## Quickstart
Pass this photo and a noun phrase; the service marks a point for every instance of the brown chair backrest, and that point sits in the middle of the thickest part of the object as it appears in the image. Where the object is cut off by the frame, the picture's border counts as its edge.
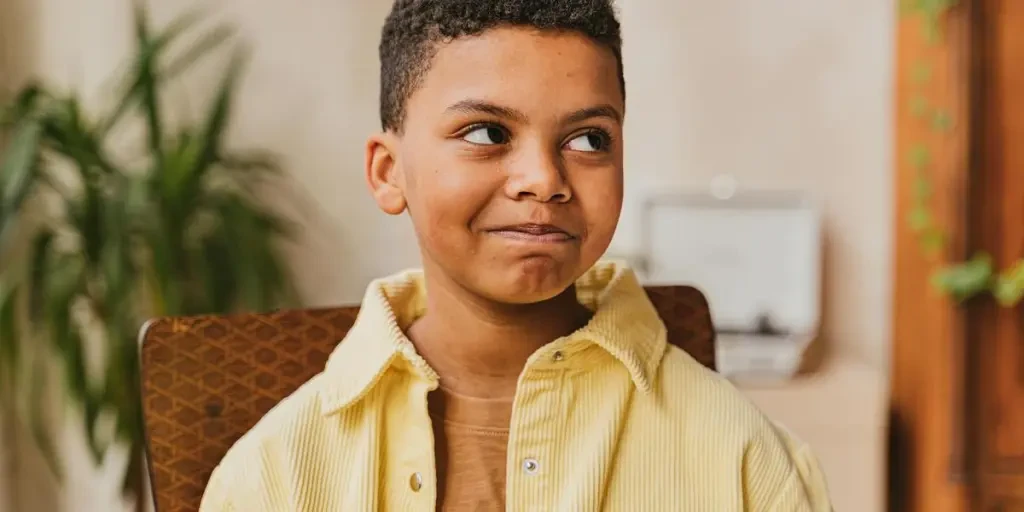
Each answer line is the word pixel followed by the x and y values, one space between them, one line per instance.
pixel 207 380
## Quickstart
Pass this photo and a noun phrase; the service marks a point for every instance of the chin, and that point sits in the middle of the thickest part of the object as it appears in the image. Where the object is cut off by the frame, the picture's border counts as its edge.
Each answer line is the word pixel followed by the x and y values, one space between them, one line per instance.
pixel 526 298
pixel 528 283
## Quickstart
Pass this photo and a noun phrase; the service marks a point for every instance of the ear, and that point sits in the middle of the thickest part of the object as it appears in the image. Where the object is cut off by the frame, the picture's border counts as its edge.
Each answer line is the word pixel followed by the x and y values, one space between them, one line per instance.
pixel 383 174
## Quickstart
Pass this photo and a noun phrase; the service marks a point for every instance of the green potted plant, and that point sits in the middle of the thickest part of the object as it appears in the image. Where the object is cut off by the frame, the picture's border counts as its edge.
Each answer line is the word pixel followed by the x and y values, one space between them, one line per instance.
pixel 93 244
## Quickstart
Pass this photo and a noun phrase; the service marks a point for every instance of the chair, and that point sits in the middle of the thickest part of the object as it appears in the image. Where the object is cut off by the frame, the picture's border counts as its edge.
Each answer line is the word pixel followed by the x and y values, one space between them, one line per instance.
pixel 207 380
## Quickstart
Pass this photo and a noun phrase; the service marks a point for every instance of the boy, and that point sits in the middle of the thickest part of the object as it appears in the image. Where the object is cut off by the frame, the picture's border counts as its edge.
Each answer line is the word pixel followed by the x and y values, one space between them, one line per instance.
pixel 511 373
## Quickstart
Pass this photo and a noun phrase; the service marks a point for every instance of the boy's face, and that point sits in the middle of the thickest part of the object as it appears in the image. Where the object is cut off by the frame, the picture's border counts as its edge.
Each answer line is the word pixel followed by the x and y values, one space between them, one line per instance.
pixel 510 162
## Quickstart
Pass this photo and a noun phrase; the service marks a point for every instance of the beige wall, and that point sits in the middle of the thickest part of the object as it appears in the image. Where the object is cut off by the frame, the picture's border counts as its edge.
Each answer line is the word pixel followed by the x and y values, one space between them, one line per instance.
pixel 792 96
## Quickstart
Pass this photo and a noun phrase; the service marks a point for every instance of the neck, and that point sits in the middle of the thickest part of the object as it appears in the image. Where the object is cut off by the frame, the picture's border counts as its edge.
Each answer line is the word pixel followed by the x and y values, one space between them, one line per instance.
pixel 479 347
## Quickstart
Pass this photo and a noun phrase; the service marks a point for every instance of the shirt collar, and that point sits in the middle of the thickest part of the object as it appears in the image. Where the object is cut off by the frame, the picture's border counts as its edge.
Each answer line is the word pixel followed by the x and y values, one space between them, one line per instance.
pixel 625 324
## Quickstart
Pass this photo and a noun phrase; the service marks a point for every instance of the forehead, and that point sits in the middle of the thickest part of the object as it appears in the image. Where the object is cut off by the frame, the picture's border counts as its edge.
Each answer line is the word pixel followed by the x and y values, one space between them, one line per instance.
pixel 527 69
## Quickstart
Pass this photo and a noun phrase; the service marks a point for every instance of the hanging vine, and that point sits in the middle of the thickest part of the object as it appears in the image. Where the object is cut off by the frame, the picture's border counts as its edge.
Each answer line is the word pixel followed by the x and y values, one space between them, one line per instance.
pixel 978 275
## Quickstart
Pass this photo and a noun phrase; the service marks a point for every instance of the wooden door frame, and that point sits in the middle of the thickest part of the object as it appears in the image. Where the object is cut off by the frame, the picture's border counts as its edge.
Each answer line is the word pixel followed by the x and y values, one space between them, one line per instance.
pixel 928 452
pixel 945 355
pixel 996 334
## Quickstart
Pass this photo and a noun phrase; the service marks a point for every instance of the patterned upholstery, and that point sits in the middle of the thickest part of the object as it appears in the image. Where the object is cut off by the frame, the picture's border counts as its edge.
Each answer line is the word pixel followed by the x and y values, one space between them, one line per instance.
pixel 207 380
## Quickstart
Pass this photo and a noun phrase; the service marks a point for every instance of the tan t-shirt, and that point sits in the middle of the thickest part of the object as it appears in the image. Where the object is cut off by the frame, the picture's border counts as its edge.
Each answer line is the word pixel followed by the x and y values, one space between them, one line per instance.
pixel 470 444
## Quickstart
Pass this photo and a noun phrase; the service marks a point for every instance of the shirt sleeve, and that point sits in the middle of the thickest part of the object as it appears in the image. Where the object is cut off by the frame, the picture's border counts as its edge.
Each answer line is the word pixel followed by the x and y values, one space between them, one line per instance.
pixel 809 478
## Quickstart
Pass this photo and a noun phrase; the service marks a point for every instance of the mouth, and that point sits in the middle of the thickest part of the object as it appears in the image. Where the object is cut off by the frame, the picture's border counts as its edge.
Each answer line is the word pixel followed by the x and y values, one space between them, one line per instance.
pixel 536 233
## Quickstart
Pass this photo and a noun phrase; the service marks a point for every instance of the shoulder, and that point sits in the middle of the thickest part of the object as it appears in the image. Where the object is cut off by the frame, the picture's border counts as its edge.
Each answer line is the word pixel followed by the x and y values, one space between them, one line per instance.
pixel 685 385
pixel 257 463
pixel 775 465
pixel 703 399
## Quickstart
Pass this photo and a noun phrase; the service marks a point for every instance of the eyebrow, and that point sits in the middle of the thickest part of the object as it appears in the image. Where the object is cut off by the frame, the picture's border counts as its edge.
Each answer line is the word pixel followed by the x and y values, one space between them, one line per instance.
pixel 484 107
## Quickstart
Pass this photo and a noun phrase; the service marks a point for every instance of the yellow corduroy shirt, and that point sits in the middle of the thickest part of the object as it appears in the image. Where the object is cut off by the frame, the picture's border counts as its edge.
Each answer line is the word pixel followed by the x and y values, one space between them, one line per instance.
pixel 610 417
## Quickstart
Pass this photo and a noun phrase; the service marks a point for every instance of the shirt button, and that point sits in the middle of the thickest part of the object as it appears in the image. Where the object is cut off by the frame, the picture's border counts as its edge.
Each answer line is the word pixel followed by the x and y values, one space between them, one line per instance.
pixel 416 482
pixel 558 356
pixel 531 466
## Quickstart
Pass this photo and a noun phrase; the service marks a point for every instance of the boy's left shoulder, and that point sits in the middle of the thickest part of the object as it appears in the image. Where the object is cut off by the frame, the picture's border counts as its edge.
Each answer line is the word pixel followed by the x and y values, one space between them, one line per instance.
pixel 697 397
pixel 707 408
pixel 685 385
pixel 699 406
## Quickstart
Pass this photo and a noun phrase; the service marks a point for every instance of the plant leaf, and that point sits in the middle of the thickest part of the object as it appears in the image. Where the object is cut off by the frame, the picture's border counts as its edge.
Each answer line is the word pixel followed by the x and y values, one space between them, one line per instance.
pixel 919 219
pixel 148 75
pixel 171 31
pixel 87 217
pixel 164 282
pixel 145 83
pixel 140 17
pixel 932 240
pixel 69 133
pixel 129 98
pixel 18 172
pixel 920 156
pixel 37 420
pixel 931 29
pixel 254 162
pixel 942 121
pixel 148 49
pixel 76 377
pixel 38 267
pixel 24 104
pixel 201 48
pixel 967 279
pixel 217 271
pixel 65 280
pixel 188 162
pixel 256 266
pixel 115 254
pixel 174 177
pixel 213 130
pixel 10 337
pixel 93 405
pixel 1009 286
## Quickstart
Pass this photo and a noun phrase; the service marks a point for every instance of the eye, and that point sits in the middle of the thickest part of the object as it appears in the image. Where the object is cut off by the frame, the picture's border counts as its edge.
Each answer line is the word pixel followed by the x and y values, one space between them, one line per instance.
pixel 590 142
pixel 488 135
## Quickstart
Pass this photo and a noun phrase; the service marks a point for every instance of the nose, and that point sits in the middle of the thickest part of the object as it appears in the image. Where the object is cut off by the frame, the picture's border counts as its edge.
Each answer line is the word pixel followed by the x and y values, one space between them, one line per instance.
pixel 540 177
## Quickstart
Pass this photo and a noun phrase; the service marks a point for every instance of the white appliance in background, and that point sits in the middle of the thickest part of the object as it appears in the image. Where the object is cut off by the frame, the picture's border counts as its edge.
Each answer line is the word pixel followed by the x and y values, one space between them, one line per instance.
pixel 757 258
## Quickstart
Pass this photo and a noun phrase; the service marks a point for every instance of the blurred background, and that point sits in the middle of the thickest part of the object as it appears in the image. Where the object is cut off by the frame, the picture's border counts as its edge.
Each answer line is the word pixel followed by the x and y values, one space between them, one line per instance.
pixel 847 136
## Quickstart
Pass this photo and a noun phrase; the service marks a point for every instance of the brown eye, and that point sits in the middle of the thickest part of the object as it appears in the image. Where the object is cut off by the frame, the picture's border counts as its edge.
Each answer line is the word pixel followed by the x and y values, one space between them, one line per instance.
pixel 589 143
pixel 487 136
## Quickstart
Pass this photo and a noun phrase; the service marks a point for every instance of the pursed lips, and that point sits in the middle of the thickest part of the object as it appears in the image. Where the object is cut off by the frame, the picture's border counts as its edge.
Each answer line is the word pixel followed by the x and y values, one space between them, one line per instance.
pixel 542 233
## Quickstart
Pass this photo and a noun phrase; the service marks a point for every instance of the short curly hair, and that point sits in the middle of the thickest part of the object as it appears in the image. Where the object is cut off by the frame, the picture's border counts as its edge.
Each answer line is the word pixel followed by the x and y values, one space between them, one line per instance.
pixel 415 28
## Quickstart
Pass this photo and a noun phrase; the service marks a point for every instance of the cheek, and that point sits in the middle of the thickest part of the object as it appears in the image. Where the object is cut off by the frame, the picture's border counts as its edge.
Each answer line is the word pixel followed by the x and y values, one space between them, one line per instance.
pixel 603 219
pixel 444 199
pixel 601 200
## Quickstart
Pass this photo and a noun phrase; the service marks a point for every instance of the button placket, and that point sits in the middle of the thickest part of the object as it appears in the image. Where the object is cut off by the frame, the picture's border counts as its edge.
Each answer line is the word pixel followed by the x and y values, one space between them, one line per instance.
pixel 536 427
pixel 414 470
